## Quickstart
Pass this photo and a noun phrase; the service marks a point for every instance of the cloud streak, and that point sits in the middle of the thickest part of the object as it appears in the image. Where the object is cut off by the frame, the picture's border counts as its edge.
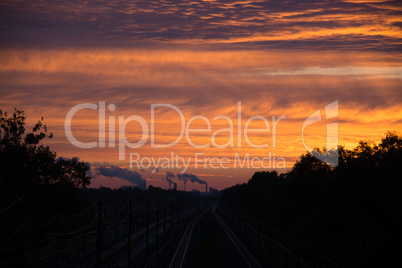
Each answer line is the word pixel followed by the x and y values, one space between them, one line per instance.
pixel 295 24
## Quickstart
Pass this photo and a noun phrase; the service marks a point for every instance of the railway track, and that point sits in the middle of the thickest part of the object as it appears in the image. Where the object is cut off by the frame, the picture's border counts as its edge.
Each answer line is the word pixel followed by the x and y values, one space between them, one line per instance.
pixel 179 257
pixel 248 258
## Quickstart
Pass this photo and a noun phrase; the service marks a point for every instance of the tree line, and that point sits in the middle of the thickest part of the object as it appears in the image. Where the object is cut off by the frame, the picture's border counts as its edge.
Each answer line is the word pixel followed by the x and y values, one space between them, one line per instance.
pixel 353 210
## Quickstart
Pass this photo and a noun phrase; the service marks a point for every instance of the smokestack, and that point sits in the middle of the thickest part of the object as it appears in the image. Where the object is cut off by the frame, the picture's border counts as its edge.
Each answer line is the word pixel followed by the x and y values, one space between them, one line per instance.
pixel 183 178
pixel 168 176
pixel 175 186
pixel 206 187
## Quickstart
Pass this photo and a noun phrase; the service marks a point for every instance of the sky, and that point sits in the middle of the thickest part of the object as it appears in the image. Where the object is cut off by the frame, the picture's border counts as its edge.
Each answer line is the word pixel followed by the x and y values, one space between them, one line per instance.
pixel 247 74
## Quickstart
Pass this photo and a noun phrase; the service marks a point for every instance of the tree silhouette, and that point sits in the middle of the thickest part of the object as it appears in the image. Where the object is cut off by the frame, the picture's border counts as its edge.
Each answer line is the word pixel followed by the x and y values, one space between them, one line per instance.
pixel 26 165
pixel 357 206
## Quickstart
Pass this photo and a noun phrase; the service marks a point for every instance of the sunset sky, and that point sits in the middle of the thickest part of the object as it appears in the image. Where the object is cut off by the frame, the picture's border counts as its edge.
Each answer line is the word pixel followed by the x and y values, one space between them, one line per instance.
pixel 207 58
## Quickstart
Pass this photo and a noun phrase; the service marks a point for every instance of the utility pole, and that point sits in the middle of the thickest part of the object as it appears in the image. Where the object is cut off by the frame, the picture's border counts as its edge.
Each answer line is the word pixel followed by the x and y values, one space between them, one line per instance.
pixel 171 211
pixel 147 234
pixel 164 222
pixel 130 212
pixel 182 212
pixel 157 224
pixel 21 240
pixel 99 234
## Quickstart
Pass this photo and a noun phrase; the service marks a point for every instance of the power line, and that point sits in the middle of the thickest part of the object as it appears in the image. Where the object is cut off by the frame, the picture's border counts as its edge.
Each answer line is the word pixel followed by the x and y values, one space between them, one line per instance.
pixel 15 202
pixel 66 216
pixel 15 233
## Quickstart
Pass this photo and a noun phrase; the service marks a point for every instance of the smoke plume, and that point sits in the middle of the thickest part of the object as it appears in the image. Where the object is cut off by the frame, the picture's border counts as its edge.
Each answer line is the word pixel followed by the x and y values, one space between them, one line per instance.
pixel 193 178
pixel 130 176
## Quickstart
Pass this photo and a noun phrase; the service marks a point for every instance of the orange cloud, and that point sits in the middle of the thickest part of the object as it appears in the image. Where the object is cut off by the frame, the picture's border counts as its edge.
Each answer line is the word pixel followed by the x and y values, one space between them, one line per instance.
pixel 208 83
